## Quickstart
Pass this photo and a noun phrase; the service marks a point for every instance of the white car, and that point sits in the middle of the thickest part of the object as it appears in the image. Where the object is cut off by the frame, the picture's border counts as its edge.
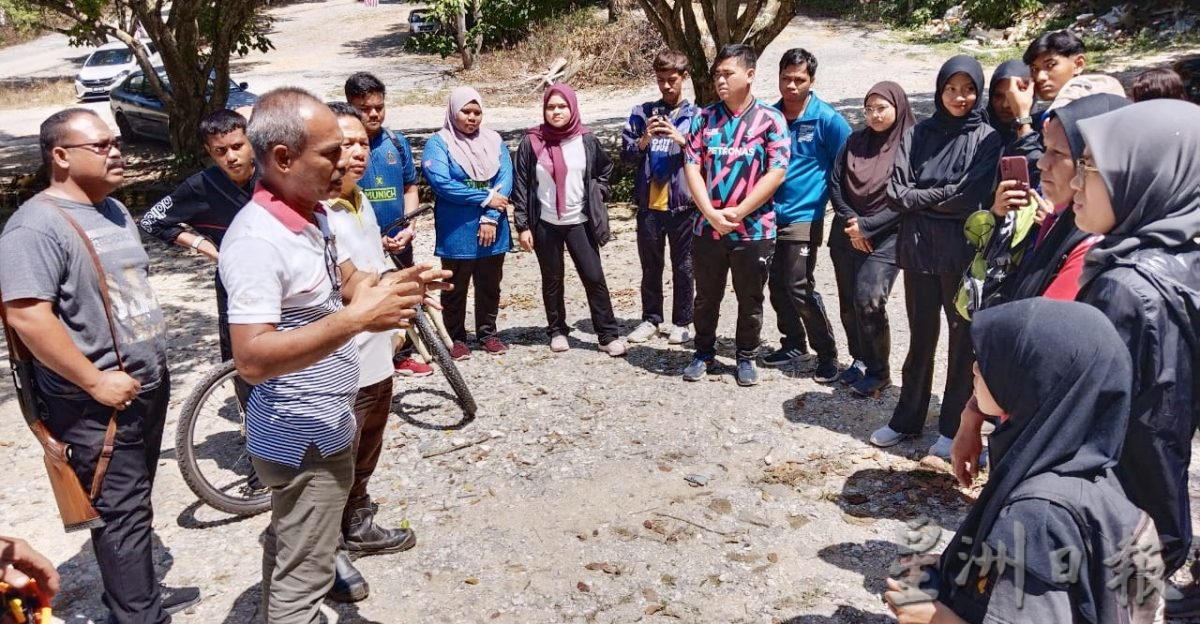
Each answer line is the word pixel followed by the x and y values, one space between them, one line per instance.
pixel 107 66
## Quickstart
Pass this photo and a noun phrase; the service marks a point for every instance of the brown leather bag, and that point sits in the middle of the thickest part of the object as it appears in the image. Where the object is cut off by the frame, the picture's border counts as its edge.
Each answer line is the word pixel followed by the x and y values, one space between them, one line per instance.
pixel 74 503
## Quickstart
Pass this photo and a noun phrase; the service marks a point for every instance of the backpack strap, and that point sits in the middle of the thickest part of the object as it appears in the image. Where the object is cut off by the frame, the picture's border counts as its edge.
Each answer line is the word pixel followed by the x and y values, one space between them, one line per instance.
pixel 110 433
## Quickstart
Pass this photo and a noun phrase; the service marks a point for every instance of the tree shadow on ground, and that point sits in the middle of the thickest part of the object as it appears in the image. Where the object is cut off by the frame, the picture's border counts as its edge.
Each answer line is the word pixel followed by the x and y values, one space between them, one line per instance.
pixel 843 615
pixel 919 494
pixel 388 44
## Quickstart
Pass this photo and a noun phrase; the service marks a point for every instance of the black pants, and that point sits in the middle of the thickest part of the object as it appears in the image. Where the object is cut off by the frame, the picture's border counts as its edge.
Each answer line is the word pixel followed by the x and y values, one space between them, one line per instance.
pixel 548 243
pixel 223 336
pixel 798 306
pixel 750 263
pixel 655 230
pixel 486 274
pixel 864 284
pixel 123 544
pixel 924 294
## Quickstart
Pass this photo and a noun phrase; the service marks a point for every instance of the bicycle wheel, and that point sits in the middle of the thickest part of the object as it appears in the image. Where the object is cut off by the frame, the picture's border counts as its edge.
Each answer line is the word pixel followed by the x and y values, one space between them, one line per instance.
pixel 211 445
pixel 441 355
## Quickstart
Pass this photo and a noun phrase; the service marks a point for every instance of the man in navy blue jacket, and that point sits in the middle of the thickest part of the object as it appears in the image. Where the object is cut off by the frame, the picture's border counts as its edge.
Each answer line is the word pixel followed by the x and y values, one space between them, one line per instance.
pixel 653 139
pixel 818 133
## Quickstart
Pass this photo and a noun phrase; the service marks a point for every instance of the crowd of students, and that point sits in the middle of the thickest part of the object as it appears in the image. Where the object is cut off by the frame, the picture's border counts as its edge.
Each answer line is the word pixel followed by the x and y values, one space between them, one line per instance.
pixel 1092 399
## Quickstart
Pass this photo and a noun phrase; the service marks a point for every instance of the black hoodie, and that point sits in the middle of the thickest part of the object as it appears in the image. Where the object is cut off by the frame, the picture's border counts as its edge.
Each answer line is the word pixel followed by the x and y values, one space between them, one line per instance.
pixel 945 170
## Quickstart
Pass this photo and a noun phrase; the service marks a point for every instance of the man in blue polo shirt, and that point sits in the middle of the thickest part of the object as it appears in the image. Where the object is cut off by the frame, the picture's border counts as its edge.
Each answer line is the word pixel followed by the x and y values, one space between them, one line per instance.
pixel 817 135
pixel 390 183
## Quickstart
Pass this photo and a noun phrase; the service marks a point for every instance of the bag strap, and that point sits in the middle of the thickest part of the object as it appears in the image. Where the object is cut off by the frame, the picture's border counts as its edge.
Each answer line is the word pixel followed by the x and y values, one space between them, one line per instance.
pixel 110 433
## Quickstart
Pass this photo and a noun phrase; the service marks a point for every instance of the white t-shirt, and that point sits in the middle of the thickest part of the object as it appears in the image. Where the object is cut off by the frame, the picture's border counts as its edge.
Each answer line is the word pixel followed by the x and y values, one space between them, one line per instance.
pixel 281 269
pixel 357 237
pixel 576 158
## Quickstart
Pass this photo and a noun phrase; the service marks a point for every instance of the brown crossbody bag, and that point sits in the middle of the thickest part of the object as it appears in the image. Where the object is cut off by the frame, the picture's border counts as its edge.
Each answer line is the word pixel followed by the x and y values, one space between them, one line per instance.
pixel 74 503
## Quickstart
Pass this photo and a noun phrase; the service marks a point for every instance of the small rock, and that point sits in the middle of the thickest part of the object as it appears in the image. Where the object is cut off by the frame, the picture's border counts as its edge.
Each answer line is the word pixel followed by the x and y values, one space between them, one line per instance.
pixel 773 557
pixel 696 480
pixel 471 581
pixel 583 587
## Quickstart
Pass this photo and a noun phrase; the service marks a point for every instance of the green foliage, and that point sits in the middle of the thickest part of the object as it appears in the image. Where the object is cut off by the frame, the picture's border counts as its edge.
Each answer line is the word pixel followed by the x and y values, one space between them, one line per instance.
pixel 501 22
pixel 998 13
pixel 20 17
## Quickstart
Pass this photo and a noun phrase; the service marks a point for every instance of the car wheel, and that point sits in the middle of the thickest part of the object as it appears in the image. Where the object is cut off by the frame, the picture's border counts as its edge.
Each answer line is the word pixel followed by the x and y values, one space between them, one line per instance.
pixel 125 129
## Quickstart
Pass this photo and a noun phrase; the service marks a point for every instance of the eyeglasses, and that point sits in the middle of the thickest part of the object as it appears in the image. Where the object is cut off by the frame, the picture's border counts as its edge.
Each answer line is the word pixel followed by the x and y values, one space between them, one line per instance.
pixel 875 110
pixel 1082 168
pixel 101 148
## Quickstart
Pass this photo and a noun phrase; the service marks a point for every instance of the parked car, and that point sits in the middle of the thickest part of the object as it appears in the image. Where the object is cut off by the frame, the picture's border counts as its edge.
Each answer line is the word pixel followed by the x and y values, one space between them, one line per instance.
pixel 107 66
pixel 420 21
pixel 139 112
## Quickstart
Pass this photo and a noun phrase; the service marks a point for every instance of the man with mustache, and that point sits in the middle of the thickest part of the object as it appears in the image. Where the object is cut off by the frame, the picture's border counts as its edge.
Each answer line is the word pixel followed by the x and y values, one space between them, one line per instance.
pixel 293 339
pixel 54 300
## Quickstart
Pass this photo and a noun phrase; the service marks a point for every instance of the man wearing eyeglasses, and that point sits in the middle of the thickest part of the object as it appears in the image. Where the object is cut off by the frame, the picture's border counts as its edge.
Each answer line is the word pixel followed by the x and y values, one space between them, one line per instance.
pixel 52 299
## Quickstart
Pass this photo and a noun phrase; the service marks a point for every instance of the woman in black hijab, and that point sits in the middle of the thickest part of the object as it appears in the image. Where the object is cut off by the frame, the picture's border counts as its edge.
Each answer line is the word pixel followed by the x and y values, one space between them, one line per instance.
pixel 862 243
pixel 1057 376
pixel 1002 116
pixel 1052 268
pixel 1138 185
pixel 945 170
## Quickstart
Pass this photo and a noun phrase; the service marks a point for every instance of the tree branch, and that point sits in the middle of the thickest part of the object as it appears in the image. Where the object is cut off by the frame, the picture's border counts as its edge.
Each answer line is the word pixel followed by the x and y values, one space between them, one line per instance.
pixel 784 12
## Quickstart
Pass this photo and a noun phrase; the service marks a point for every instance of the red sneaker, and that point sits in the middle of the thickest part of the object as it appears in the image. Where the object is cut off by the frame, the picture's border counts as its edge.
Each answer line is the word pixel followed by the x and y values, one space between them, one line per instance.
pixel 460 351
pixel 494 345
pixel 412 367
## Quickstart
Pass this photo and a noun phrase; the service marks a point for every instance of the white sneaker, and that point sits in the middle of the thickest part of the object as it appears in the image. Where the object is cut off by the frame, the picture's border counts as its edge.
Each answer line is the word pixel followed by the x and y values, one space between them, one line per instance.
pixel 941 448
pixel 680 334
pixel 615 348
pixel 886 436
pixel 642 332
pixel 559 343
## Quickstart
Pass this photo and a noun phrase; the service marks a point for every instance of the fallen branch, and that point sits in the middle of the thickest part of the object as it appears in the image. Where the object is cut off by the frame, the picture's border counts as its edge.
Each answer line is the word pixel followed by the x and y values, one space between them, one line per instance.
pixel 457 447
pixel 698 526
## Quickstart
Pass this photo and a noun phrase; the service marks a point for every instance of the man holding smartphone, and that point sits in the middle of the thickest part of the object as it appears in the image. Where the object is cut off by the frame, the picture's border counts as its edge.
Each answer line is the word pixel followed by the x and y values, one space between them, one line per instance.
pixel 654 138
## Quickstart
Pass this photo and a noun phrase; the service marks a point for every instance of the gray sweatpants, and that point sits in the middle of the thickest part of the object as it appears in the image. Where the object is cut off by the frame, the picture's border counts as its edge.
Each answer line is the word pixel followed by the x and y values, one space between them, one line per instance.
pixel 303 537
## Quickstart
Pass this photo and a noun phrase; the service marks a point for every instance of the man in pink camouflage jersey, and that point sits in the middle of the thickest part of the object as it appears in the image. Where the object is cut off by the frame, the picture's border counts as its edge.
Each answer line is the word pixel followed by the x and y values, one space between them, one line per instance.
pixel 736 157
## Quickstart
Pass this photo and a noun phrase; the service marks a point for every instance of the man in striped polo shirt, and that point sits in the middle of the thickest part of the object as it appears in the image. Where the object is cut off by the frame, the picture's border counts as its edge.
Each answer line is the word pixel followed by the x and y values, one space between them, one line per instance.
pixel 293 340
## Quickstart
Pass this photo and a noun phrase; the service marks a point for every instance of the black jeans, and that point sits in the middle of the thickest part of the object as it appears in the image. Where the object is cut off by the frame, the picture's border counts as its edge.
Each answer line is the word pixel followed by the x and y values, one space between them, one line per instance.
pixel 798 306
pixel 548 243
pixel 924 294
pixel 864 284
pixel 750 263
pixel 486 274
pixel 123 544
pixel 655 230
pixel 223 336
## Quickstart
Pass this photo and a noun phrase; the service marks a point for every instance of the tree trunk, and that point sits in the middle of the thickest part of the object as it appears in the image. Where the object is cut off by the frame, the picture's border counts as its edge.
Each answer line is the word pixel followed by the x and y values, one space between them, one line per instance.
pixel 460 38
pixel 616 9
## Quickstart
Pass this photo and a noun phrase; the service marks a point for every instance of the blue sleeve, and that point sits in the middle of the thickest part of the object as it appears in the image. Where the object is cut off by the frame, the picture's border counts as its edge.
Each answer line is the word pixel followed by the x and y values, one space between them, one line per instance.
pixel 631 134
pixel 444 185
pixel 839 131
pixel 503 179
pixel 406 159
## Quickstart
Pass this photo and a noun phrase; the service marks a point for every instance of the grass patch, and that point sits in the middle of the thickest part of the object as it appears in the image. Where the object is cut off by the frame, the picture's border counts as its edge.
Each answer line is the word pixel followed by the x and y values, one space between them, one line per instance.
pixel 33 92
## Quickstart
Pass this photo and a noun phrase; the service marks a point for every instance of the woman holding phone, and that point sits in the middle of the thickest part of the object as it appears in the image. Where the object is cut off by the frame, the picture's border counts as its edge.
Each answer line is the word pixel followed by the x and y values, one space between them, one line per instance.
pixel 559 189
pixel 862 243
pixel 945 170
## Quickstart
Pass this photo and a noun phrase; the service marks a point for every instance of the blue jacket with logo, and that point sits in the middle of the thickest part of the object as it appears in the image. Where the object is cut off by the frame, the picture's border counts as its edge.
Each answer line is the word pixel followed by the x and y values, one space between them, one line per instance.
pixel 680 197
pixel 817 137
pixel 390 168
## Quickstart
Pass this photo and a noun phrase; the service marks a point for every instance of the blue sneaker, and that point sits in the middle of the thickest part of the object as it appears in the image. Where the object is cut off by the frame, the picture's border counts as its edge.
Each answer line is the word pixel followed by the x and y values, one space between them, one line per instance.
pixel 697 369
pixel 747 373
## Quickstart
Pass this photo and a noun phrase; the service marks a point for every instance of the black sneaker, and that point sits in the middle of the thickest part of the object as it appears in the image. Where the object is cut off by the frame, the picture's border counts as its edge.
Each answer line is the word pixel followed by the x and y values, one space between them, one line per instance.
pixel 827 371
pixel 852 374
pixel 176 599
pixel 782 357
pixel 870 386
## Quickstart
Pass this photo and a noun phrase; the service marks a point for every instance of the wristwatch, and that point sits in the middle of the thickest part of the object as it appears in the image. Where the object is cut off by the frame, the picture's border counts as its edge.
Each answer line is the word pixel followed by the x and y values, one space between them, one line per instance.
pixel 1022 121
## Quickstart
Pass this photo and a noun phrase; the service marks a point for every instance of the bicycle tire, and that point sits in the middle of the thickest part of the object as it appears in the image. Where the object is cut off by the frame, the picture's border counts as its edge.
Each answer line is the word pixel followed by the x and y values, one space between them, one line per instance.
pixel 441 355
pixel 189 463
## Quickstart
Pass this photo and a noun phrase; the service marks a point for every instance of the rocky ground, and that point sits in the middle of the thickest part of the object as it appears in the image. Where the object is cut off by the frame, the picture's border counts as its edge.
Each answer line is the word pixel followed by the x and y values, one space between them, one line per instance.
pixel 587 489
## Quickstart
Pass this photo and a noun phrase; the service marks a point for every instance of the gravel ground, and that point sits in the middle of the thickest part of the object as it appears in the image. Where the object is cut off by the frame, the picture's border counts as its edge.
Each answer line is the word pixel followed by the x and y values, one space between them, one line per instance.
pixel 576 497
